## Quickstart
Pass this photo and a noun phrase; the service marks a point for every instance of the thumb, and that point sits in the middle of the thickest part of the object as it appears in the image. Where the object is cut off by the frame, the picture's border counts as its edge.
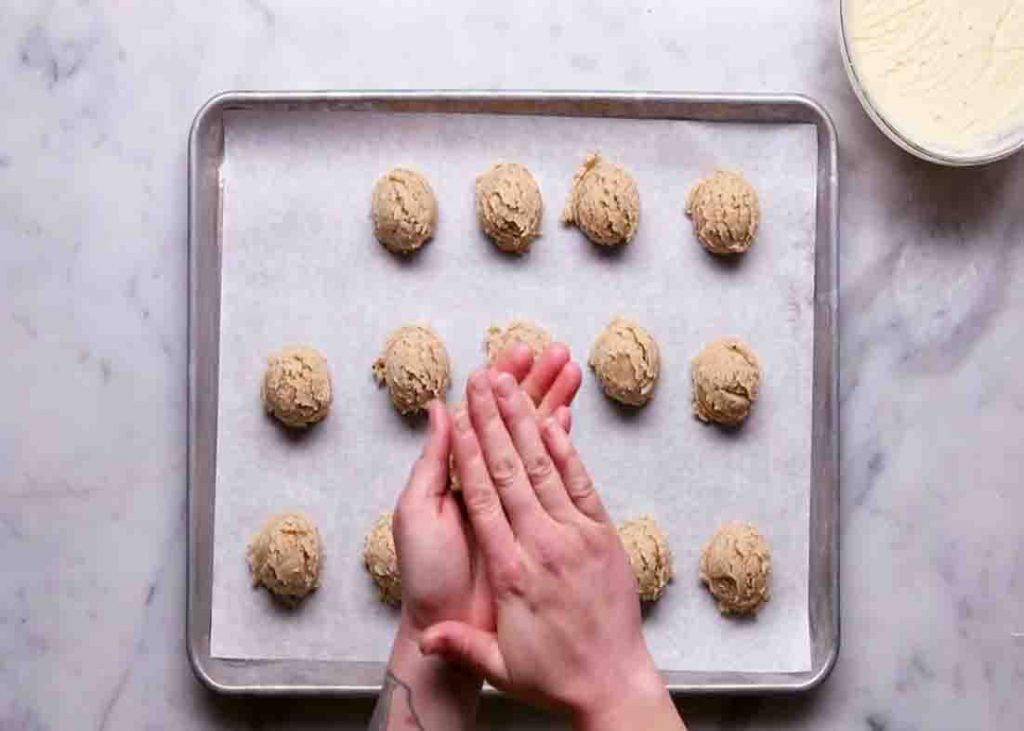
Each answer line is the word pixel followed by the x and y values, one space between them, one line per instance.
pixel 430 472
pixel 468 646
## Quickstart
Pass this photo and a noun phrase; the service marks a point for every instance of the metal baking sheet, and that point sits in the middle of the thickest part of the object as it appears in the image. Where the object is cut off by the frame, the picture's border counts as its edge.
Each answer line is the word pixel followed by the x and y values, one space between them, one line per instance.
pixel 281 251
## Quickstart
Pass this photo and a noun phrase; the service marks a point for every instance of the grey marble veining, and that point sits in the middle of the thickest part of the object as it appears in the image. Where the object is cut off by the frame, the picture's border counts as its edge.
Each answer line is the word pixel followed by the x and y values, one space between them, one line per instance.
pixel 99 96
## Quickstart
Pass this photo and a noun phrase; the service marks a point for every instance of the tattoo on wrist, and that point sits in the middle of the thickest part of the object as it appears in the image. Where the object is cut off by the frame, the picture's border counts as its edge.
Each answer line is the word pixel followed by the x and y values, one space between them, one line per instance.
pixel 395 703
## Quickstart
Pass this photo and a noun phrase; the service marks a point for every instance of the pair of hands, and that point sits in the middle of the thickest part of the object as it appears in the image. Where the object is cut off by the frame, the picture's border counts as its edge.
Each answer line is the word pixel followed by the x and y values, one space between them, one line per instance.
pixel 528 587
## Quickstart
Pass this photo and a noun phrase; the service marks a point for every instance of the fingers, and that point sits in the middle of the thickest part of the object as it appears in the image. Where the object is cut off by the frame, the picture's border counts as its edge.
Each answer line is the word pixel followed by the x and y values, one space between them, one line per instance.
pixel 577 481
pixel 544 372
pixel 516 360
pixel 507 473
pixel 430 472
pixel 521 423
pixel 474 649
pixel 561 391
pixel 563 415
pixel 483 506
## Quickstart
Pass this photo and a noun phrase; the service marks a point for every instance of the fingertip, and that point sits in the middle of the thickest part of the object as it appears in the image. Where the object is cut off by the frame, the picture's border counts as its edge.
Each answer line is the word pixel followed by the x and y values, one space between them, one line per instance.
pixel 521 353
pixel 479 382
pixel 504 385
pixel 563 414
pixel 558 352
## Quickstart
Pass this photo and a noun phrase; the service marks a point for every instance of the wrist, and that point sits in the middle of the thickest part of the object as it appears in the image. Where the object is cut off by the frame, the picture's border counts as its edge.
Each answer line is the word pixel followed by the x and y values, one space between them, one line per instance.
pixel 440 676
pixel 639 701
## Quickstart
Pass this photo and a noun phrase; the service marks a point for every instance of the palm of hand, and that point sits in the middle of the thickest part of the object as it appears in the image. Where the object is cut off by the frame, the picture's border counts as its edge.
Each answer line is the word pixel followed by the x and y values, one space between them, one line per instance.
pixel 442 578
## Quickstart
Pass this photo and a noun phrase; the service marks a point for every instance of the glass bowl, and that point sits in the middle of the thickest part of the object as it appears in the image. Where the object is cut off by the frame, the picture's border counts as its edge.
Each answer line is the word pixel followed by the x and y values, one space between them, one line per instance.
pixel 1014 144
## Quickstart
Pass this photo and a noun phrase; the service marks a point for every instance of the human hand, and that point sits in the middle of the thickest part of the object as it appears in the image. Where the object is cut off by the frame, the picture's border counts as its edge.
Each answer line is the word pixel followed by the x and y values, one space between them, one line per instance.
pixel 442 578
pixel 551 380
pixel 436 557
pixel 568 628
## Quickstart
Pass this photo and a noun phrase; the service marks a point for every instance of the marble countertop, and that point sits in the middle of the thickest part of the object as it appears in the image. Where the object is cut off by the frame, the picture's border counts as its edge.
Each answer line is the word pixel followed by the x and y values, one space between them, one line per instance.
pixel 93 322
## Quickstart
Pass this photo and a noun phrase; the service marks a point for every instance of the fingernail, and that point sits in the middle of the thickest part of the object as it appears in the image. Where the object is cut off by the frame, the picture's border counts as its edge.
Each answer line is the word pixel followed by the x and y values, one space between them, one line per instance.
pixel 549 424
pixel 505 385
pixel 479 382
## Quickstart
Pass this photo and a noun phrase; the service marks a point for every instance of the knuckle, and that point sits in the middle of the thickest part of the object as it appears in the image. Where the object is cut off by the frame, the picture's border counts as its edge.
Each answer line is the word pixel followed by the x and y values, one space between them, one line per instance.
pixel 480 501
pixel 509 578
pixel 504 471
pixel 551 557
pixel 539 468
pixel 581 487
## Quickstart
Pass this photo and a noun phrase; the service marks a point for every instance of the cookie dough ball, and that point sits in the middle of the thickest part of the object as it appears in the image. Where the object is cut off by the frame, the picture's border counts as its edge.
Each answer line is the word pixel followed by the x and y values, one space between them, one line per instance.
pixel 627 362
pixel 296 388
pixel 509 206
pixel 500 339
pixel 726 377
pixel 649 556
pixel 736 566
pixel 414 366
pixel 604 203
pixel 382 560
pixel 404 211
pixel 725 213
pixel 285 557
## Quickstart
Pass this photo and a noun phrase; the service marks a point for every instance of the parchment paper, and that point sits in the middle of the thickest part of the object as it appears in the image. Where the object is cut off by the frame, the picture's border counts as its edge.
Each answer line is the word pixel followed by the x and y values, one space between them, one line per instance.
pixel 301 265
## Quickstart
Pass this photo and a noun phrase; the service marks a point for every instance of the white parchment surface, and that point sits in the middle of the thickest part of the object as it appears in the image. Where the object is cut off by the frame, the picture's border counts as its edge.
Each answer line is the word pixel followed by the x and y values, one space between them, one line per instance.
pixel 301 266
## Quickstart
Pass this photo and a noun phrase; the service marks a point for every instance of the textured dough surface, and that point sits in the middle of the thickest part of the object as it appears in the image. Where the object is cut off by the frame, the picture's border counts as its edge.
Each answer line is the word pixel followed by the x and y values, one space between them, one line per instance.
pixel 296 387
pixel 404 211
pixel 726 377
pixel 604 203
pixel 736 565
pixel 627 362
pixel 381 560
pixel 285 557
pixel 414 366
pixel 509 206
pixel 725 213
pixel 649 556
pixel 499 339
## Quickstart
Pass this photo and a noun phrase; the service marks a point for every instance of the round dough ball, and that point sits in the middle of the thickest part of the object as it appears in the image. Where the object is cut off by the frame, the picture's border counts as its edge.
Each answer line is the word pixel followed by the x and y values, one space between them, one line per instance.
pixel 736 566
pixel 725 213
pixel 382 560
pixel 414 366
pixel 285 557
pixel 649 556
pixel 404 211
pixel 627 362
pixel 604 203
pixel 726 378
pixel 509 206
pixel 296 388
pixel 500 339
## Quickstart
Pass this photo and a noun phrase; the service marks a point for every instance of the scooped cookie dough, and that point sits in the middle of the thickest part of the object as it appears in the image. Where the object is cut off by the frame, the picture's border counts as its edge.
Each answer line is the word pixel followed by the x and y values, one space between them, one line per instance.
pixel 414 366
pixel 285 557
pixel 736 566
pixel 649 556
pixel 404 211
pixel 499 339
pixel 627 362
pixel 726 378
pixel 296 387
pixel 725 213
pixel 509 206
pixel 604 203
pixel 382 560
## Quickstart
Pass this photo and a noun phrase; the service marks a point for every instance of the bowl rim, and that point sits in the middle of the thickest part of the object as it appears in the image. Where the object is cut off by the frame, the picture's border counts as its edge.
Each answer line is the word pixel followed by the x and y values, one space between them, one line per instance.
pixel 918 149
